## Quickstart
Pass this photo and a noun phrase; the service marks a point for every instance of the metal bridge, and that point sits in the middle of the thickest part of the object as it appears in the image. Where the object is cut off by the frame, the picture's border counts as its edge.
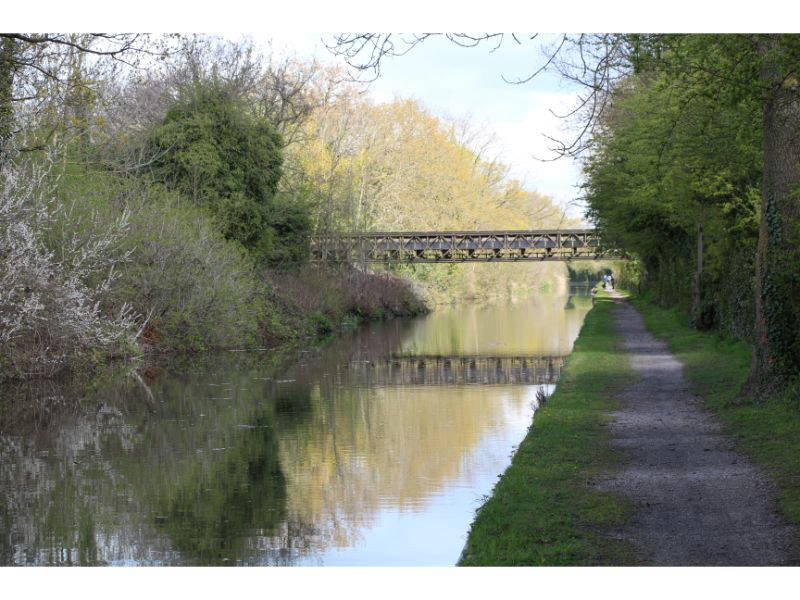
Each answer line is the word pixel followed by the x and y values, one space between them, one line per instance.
pixel 460 246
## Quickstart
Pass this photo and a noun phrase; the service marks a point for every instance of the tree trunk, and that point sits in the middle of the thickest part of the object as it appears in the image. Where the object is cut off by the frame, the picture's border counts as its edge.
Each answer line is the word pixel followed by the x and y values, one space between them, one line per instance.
pixel 698 273
pixel 6 94
pixel 776 353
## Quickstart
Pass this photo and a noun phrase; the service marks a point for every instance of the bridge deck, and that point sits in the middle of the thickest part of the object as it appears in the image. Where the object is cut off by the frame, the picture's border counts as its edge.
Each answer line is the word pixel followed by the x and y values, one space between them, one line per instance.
pixel 460 246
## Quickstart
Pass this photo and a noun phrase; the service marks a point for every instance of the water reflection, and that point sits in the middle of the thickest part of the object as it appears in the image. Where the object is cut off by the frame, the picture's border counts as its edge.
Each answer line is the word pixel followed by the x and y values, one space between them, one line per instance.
pixel 540 326
pixel 209 511
pixel 373 450
pixel 453 370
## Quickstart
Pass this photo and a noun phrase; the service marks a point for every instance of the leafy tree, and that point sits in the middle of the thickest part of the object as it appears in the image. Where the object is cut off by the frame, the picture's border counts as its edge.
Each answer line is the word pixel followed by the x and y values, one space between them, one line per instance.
pixel 395 166
pixel 215 153
pixel 759 71
pixel 674 178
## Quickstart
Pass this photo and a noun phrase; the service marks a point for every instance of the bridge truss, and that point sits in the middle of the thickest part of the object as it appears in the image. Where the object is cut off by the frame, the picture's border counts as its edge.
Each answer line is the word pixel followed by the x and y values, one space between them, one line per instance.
pixel 460 246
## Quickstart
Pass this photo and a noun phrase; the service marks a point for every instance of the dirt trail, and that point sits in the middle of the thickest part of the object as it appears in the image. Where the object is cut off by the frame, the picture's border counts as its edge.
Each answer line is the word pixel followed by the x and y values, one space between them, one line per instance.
pixel 697 501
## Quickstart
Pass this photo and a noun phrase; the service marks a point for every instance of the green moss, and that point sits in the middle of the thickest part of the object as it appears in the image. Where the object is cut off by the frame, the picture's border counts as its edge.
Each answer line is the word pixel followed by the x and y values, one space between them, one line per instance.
pixel 544 510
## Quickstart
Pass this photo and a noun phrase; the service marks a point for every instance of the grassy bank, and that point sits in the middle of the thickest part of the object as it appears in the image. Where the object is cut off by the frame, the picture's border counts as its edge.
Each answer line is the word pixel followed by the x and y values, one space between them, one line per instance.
pixel 768 432
pixel 543 510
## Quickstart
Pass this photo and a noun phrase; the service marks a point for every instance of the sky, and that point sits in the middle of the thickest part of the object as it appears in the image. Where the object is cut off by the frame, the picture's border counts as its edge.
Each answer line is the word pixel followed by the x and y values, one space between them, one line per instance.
pixel 459 82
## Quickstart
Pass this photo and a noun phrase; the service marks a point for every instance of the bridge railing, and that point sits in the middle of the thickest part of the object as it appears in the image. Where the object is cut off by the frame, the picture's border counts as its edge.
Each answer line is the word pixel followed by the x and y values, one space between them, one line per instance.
pixel 460 246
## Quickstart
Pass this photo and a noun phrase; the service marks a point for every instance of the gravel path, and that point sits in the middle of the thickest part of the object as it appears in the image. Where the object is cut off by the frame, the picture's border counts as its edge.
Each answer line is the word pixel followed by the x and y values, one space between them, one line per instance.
pixel 697 501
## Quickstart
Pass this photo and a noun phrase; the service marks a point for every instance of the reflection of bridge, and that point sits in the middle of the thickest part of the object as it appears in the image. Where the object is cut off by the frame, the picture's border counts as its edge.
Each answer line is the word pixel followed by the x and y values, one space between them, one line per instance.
pixel 460 246
pixel 449 370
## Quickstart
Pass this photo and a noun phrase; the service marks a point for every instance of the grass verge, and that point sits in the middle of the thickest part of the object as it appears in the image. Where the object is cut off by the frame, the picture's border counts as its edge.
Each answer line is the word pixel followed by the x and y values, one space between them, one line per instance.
pixel 768 432
pixel 543 510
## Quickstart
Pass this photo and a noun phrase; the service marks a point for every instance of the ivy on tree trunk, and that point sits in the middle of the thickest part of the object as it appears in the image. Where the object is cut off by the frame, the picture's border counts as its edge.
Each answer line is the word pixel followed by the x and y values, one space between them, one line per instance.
pixel 776 356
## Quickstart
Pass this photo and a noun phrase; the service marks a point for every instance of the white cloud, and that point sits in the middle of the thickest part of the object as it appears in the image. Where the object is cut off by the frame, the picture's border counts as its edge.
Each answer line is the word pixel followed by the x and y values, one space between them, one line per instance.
pixel 529 152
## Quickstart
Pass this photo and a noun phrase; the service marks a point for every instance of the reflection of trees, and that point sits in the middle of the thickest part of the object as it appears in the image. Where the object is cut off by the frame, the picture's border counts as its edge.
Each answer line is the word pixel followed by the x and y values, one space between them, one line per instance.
pixel 56 488
pixel 117 475
pixel 292 404
pixel 208 465
pixel 62 503
pixel 364 449
pixel 580 300
pixel 539 325
pixel 211 510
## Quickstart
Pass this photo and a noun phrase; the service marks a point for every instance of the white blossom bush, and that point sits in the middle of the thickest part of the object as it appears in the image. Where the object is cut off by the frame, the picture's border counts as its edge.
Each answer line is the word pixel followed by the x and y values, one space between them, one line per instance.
pixel 52 312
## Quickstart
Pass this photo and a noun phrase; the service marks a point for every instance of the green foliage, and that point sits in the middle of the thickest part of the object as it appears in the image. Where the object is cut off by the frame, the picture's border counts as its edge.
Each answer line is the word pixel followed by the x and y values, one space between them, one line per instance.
pixel 629 275
pixel 585 272
pixel 704 134
pixel 322 323
pixel 216 154
pixel 676 153
pixel 593 270
pixel 780 275
pixel 199 289
pixel 6 93
pixel 285 242
pixel 194 289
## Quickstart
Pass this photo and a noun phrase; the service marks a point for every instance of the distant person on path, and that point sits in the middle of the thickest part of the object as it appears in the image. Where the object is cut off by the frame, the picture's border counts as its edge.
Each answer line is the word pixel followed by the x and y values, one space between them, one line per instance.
pixel 611 280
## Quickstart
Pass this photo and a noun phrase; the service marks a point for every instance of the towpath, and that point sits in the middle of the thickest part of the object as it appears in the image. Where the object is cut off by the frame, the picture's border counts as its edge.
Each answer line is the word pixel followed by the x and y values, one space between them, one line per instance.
pixel 696 500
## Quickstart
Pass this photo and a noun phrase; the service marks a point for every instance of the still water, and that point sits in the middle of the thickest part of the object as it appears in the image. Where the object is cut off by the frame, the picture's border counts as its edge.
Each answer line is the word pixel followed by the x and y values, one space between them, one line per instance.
pixel 374 450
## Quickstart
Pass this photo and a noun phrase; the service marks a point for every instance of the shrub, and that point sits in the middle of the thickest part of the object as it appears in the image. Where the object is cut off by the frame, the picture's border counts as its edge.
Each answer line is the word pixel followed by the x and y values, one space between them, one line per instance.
pixel 337 293
pixel 192 288
pixel 196 288
pixel 52 312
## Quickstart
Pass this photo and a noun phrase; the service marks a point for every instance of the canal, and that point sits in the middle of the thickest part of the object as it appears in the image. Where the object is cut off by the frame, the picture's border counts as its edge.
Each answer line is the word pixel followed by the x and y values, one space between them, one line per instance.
pixel 375 449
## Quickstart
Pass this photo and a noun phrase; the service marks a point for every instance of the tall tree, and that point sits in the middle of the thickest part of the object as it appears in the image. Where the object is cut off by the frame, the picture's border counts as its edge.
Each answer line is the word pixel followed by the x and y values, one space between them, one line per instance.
pixel 6 93
pixel 38 70
pixel 776 358
pixel 217 155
